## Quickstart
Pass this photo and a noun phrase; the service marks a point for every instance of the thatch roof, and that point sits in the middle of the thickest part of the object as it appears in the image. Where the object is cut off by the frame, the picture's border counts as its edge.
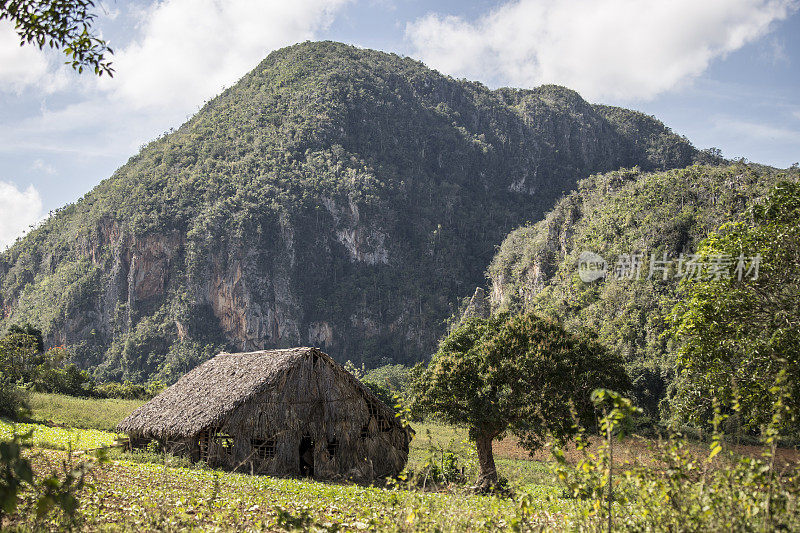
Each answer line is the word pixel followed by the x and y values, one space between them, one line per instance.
pixel 204 396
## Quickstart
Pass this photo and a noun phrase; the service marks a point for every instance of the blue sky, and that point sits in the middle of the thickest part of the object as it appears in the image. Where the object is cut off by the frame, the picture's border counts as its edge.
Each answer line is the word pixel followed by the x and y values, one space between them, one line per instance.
pixel 724 73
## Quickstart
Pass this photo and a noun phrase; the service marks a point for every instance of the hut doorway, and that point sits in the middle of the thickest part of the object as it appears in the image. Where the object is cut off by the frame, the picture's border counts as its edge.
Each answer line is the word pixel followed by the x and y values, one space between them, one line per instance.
pixel 306 456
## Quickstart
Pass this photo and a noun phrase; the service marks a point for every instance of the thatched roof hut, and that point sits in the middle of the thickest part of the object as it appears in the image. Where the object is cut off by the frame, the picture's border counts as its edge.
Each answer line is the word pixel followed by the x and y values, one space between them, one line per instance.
pixel 279 412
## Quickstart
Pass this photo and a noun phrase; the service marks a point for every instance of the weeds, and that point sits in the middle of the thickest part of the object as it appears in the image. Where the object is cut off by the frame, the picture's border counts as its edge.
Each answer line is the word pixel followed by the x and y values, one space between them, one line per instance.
pixel 679 490
pixel 41 493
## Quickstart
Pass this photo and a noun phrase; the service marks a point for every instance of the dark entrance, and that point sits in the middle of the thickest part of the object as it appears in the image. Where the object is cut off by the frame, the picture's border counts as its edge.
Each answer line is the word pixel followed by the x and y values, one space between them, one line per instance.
pixel 306 456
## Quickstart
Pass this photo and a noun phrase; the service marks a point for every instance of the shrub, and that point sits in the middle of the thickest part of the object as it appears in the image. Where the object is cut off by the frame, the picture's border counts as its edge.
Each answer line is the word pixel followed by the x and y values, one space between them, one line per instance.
pixel 392 377
pixel 57 490
pixel 128 390
pixel 69 380
pixel 13 399
pixel 739 334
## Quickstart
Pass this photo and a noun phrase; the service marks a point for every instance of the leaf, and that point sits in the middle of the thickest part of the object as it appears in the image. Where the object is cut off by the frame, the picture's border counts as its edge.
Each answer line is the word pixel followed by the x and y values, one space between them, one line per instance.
pixel 716 447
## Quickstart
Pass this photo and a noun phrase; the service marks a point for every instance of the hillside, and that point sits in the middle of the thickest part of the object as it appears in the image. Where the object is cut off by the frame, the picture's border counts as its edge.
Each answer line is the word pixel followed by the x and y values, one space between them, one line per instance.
pixel 336 197
pixel 624 212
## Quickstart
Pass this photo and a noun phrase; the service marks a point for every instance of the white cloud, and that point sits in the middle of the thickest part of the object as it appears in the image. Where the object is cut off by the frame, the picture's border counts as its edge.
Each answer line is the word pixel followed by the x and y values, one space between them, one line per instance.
pixel 774 52
pixel 25 67
pixel 40 166
pixel 188 50
pixel 20 210
pixel 628 49
pixel 181 53
pixel 757 130
pixel 20 66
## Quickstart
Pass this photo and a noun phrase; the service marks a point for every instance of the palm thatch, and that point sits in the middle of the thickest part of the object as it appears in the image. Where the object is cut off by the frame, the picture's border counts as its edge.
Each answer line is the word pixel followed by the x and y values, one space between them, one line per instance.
pixel 282 412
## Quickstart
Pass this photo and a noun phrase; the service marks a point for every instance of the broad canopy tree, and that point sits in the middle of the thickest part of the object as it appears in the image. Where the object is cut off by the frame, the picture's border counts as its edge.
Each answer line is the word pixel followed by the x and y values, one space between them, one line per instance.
pixel 521 374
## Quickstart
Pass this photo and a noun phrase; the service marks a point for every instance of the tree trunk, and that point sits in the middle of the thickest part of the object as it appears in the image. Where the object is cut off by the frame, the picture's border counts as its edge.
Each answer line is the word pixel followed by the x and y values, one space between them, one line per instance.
pixel 487 479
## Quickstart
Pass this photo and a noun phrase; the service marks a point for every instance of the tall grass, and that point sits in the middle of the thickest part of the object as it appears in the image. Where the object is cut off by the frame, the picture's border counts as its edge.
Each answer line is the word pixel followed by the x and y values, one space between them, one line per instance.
pixel 84 413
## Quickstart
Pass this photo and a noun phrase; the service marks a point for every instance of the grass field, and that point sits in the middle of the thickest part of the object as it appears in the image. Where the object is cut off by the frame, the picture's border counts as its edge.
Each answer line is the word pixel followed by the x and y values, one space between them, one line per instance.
pixel 105 414
pixel 86 413
pixel 136 493
pixel 130 496
pixel 143 492
pixel 58 438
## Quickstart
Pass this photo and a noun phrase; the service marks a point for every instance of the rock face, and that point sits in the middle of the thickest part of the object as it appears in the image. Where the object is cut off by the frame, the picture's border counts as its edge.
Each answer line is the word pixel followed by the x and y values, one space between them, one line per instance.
pixel 336 197
pixel 478 307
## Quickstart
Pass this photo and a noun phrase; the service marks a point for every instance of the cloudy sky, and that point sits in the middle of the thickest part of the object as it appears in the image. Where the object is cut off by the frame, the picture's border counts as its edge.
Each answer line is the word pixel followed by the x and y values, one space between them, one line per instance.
pixel 725 73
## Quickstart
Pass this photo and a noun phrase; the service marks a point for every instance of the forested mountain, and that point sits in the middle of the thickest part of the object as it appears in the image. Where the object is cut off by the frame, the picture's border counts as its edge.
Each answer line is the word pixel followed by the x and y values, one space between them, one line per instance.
pixel 619 214
pixel 335 196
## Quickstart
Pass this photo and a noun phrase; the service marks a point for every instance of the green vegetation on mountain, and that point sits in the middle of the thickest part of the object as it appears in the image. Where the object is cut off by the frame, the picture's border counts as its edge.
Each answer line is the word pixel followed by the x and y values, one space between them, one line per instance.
pixel 740 338
pixel 335 196
pixel 616 214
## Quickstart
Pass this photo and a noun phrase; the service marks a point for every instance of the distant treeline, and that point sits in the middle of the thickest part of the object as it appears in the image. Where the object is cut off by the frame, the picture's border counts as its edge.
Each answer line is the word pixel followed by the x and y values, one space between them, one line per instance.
pixel 25 366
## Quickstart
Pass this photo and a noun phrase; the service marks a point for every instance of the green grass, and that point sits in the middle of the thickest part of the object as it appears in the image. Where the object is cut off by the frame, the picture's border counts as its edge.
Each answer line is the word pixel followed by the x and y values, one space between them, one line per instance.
pixel 105 414
pixel 137 492
pixel 86 413
pixel 58 438
pixel 130 496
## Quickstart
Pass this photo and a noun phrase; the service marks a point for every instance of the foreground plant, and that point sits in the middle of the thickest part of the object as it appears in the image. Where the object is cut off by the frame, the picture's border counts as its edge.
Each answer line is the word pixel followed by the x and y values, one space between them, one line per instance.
pixel 679 489
pixel 15 473
pixel 58 489
pixel 61 24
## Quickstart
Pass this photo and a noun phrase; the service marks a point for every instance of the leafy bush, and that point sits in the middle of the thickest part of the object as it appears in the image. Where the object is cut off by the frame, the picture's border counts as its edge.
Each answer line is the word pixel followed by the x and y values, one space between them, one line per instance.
pixel 385 381
pixel 128 390
pixel 13 399
pixel 394 377
pixel 68 379
pixel 57 489
pixel 22 359
pixel 20 356
pixel 15 472
pixel 628 212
